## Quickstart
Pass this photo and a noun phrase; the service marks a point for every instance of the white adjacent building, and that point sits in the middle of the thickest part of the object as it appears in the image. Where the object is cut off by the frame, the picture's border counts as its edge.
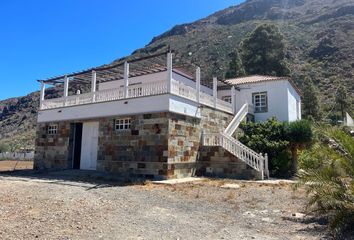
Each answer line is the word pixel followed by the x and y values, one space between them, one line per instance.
pixel 270 96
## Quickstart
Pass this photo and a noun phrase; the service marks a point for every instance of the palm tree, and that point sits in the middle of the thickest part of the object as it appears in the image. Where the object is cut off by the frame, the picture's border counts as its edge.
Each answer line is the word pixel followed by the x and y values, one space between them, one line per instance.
pixel 299 134
pixel 327 171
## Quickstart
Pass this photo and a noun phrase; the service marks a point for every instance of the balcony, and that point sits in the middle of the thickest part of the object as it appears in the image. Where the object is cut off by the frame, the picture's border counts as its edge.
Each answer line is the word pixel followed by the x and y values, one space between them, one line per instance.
pixel 137 91
pixel 121 91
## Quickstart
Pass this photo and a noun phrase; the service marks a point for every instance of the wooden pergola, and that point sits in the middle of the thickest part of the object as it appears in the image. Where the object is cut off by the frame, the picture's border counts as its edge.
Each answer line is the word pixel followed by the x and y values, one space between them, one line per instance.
pixel 105 73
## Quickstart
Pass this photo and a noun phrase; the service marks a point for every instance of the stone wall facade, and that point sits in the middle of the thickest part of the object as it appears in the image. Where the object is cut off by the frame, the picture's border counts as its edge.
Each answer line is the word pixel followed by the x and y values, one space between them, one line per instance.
pixel 142 150
pixel 185 135
pixel 52 150
pixel 158 145
pixel 217 162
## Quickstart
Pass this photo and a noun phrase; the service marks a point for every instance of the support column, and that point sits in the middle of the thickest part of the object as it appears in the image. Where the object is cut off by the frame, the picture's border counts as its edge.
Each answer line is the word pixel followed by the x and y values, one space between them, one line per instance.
pixel 197 82
pixel 169 72
pixel 93 85
pixel 266 165
pixel 126 79
pixel 66 86
pixel 233 99
pixel 215 90
pixel 42 94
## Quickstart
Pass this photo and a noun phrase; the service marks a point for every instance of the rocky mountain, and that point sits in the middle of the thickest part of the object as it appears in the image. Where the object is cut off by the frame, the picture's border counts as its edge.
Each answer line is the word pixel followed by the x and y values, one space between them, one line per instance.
pixel 18 120
pixel 319 36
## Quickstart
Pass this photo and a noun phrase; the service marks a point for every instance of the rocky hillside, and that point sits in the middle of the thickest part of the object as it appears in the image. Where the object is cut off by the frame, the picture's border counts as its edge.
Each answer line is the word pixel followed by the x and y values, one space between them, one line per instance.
pixel 18 119
pixel 319 35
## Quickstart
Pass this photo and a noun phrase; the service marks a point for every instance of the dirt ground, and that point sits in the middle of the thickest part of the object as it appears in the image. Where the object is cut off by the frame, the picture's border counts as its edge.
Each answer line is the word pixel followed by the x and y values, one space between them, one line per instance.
pixel 15 165
pixel 42 206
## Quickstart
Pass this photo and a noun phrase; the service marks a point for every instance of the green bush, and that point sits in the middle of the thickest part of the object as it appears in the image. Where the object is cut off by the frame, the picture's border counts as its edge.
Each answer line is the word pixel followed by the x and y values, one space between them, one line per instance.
pixel 280 140
pixel 269 137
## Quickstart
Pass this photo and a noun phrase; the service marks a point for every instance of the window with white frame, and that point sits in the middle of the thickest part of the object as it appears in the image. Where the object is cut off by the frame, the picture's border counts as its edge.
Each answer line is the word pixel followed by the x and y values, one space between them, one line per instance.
pixel 122 124
pixel 226 98
pixel 260 102
pixel 52 129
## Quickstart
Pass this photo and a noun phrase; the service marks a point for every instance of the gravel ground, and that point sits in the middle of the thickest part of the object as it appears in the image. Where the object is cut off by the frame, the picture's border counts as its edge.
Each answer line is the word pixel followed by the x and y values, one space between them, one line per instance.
pixel 45 207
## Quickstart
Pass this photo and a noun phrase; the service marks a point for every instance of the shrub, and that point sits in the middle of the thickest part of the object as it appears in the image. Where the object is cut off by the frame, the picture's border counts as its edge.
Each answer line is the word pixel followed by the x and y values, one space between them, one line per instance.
pixel 281 141
pixel 269 137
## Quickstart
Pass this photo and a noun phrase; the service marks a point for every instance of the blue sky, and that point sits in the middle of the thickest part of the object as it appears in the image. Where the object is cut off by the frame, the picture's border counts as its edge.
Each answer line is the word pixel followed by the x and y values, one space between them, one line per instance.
pixel 42 38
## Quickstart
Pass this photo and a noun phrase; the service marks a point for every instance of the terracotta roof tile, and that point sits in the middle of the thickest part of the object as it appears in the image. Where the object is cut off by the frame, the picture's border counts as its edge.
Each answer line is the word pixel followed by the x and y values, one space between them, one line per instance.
pixel 253 79
pixel 260 78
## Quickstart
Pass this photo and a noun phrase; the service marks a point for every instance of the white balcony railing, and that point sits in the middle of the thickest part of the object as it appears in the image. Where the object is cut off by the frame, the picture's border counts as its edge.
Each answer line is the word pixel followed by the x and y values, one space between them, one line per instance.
pixel 183 90
pixel 135 91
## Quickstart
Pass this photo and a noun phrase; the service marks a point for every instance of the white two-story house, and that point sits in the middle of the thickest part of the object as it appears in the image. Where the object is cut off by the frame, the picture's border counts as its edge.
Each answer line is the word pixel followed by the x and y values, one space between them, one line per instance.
pixel 150 119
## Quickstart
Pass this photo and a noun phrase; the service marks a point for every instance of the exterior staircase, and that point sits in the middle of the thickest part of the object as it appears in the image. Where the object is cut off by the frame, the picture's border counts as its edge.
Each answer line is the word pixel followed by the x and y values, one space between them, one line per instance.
pixel 257 161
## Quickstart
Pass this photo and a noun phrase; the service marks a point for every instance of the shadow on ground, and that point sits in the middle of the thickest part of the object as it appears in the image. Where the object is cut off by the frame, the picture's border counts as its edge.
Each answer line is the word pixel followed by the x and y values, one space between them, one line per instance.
pixel 80 178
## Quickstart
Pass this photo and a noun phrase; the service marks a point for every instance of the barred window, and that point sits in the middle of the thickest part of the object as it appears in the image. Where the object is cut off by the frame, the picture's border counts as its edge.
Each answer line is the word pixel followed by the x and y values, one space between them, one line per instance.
pixel 260 102
pixel 122 124
pixel 52 129
pixel 226 98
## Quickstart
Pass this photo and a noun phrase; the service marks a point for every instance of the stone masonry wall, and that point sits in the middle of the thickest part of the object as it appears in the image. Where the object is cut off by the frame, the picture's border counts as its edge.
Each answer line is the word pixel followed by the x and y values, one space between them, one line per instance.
pixel 185 135
pixel 142 151
pixel 217 162
pixel 52 150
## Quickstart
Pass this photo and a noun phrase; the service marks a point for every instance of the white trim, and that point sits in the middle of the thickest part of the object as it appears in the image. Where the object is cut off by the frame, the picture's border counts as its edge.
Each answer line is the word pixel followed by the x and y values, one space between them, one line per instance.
pixel 126 79
pixel 52 129
pixel 197 83
pixel 122 124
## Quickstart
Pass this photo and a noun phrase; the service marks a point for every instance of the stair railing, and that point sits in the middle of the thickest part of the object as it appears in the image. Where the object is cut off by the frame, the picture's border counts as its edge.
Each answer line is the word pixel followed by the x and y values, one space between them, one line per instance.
pixel 255 160
pixel 236 121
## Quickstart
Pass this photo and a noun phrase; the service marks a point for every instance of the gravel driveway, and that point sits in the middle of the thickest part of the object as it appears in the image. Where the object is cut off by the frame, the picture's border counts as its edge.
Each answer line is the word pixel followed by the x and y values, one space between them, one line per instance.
pixel 44 207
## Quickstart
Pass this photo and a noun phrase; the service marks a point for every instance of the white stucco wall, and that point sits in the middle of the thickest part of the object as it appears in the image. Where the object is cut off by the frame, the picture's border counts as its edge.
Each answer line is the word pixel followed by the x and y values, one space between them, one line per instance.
pixel 283 101
pixel 150 104
pixel 294 104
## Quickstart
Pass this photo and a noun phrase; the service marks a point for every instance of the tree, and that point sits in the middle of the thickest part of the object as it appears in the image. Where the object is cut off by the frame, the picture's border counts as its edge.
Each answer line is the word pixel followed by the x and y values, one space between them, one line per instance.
pixel 342 100
pixel 299 134
pixel 236 68
pixel 311 102
pixel 263 52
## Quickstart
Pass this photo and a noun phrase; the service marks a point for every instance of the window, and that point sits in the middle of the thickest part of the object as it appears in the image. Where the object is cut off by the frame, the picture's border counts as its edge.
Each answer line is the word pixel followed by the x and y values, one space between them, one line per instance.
pixel 260 102
pixel 52 129
pixel 226 98
pixel 122 124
